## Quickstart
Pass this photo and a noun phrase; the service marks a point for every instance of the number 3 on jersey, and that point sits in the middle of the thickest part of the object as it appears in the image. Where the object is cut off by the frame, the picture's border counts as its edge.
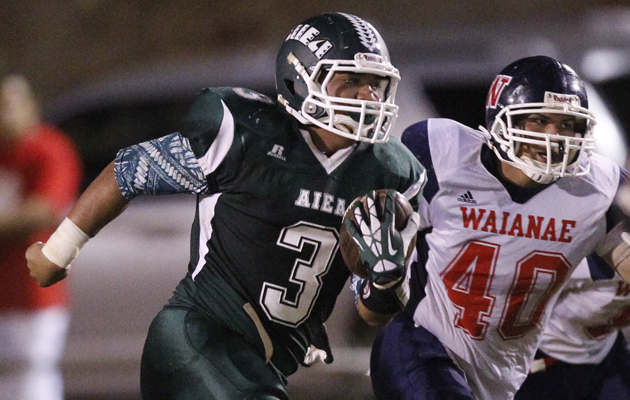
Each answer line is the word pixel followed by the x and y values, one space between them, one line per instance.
pixel 468 281
pixel 306 273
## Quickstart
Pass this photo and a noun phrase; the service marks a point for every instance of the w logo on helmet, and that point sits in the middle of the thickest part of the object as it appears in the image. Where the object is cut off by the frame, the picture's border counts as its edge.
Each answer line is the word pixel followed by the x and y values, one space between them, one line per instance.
pixel 367 37
pixel 500 82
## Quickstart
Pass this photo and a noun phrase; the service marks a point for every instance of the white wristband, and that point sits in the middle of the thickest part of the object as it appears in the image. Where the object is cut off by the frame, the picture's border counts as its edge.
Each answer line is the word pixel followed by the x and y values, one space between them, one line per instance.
pixel 64 245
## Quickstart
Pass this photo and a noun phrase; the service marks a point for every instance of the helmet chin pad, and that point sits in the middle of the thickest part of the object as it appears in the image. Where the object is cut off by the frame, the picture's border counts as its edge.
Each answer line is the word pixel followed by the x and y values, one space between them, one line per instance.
pixel 543 179
pixel 350 124
pixel 534 173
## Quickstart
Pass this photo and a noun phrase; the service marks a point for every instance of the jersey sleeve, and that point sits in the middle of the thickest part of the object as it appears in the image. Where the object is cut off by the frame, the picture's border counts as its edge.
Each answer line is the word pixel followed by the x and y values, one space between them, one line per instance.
pixel 165 165
pixel 183 162
pixel 210 129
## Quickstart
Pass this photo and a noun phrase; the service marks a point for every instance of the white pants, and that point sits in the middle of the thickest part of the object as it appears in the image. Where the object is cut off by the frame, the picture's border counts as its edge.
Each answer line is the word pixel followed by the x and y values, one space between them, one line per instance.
pixel 31 346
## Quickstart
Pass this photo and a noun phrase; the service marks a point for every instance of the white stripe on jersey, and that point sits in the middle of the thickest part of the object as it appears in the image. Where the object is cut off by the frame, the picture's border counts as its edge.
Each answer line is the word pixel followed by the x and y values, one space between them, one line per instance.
pixel 416 187
pixel 221 144
pixel 207 205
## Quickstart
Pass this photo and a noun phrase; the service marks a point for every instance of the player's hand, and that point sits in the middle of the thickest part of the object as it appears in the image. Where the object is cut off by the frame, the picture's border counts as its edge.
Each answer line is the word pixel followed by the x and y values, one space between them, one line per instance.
pixel 381 246
pixel 44 271
pixel 319 350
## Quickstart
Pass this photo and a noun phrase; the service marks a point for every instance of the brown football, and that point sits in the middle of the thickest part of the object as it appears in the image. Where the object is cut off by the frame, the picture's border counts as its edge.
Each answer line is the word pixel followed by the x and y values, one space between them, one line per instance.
pixel 347 245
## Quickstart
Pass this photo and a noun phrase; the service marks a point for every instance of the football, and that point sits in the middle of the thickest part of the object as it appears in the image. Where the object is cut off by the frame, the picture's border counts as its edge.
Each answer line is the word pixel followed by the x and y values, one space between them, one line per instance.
pixel 347 245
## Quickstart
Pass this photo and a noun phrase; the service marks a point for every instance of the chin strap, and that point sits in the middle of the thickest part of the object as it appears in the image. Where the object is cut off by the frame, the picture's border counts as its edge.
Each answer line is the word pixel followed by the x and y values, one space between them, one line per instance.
pixel 344 123
pixel 538 177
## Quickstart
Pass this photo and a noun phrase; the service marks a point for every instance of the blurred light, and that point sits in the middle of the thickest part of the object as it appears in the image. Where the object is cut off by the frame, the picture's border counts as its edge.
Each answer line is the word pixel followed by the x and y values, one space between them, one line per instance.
pixel 609 137
pixel 603 64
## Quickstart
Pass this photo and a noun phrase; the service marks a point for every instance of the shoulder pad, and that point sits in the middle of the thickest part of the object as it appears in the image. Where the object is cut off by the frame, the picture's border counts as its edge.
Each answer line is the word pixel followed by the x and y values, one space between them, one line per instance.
pixel 255 111
pixel 237 97
pixel 251 112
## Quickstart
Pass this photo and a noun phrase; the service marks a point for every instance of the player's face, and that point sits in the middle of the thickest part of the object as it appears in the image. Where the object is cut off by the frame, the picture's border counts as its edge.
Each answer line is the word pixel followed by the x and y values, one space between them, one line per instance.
pixel 351 85
pixel 547 123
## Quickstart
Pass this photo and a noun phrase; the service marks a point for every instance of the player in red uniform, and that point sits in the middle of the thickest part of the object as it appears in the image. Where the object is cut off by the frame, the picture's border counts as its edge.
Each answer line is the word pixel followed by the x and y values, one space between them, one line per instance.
pixel 40 173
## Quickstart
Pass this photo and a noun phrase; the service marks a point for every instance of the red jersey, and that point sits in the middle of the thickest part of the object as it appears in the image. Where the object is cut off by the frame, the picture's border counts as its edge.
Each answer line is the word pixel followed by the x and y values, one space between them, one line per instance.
pixel 42 163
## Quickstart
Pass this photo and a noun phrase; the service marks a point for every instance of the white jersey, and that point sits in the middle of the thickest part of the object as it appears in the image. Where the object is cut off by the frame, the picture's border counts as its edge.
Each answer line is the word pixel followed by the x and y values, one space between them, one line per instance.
pixel 495 259
pixel 587 317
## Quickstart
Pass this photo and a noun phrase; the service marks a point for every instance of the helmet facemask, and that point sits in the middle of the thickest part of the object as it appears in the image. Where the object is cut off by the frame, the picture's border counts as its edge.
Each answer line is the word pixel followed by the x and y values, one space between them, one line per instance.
pixel 361 120
pixel 562 154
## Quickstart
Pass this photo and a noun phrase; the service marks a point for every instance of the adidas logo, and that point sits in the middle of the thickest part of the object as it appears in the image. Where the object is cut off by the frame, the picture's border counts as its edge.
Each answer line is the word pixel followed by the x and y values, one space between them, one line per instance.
pixel 467 198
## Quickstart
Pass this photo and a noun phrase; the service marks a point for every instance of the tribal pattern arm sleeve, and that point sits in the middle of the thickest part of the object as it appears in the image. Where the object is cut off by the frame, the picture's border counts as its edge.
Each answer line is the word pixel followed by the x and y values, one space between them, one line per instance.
pixel 165 165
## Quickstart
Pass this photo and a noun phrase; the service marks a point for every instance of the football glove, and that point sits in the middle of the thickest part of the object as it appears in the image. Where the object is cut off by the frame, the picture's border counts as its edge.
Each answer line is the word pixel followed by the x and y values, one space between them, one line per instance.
pixel 383 249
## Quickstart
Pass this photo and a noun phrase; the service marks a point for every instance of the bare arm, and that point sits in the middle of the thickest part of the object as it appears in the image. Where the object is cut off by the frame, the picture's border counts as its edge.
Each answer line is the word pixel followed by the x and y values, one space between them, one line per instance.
pixel 100 204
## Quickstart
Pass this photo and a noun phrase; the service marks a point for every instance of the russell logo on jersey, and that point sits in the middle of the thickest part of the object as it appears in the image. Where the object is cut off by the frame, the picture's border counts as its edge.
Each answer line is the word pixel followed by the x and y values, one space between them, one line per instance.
pixel 276 152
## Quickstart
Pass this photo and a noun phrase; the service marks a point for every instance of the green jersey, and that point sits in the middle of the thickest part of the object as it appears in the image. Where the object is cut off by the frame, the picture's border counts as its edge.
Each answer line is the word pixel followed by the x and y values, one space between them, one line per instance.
pixel 264 244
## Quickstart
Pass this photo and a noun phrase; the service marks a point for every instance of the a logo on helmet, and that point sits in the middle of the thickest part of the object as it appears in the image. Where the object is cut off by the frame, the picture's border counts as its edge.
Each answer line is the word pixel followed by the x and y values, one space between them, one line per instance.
pixel 500 82
pixel 304 33
pixel 559 100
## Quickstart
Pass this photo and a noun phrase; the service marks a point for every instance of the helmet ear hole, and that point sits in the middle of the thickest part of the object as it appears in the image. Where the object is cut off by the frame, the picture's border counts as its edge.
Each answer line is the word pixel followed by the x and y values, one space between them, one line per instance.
pixel 290 85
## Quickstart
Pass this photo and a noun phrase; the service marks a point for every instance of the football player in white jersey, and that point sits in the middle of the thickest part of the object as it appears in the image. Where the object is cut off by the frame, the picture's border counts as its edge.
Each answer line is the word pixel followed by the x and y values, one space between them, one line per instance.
pixel 583 354
pixel 507 214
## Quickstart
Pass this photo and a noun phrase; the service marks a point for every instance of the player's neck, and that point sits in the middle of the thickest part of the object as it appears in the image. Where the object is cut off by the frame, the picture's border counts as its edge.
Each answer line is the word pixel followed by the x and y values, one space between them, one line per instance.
pixel 327 142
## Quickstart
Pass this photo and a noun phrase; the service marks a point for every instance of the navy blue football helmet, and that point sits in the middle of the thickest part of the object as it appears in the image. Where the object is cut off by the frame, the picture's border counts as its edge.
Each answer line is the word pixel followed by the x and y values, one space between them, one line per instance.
pixel 311 54
pixel 540 85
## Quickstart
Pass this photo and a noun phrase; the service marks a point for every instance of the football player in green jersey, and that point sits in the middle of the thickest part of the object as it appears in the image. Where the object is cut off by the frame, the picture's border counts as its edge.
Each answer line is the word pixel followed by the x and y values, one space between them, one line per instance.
pixel 272 179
